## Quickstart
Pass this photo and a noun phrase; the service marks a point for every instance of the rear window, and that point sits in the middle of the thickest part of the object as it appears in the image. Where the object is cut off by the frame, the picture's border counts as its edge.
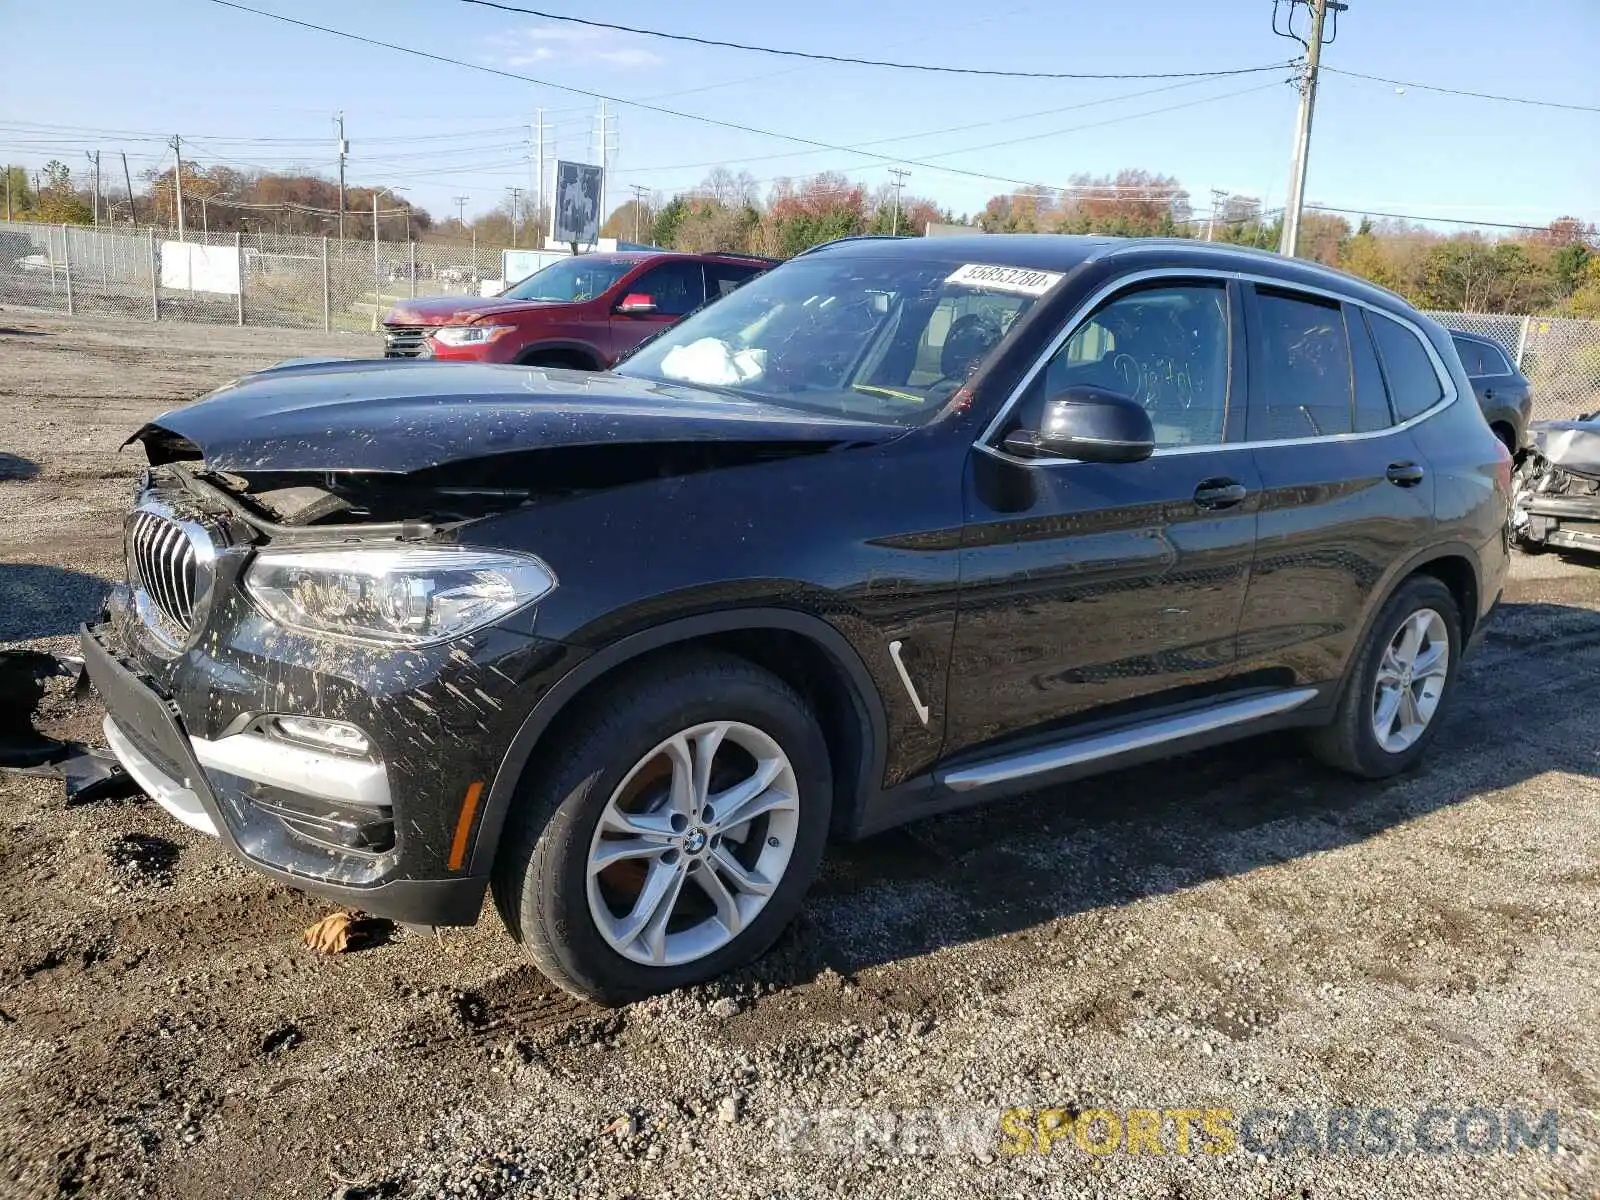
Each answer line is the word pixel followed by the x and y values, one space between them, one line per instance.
pixel 1414 385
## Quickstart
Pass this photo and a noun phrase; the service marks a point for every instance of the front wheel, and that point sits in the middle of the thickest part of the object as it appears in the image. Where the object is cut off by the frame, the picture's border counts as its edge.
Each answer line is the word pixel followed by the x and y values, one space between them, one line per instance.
pixel 1402 678
pixel 672 835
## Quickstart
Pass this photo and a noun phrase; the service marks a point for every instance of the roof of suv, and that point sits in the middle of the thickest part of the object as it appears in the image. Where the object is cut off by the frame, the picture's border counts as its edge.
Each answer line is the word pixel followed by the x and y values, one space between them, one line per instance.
pixel 1063 252
pixel 693 255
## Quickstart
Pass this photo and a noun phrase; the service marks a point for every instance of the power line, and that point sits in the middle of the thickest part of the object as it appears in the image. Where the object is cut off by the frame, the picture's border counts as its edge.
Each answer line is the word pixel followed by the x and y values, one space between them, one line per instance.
pixel 867 62
pixel 908 137
pixel 1431 87
pixel 639 104
pixel 1389 216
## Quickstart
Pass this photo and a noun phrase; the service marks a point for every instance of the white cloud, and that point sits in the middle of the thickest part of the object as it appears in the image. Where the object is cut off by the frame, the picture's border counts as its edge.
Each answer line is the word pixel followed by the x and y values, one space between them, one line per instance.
pixel 542 44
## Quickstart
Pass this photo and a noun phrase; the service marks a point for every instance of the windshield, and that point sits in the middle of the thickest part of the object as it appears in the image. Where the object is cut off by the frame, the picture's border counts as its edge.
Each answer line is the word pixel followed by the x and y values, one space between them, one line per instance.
pixel 884 339
pixel 571 280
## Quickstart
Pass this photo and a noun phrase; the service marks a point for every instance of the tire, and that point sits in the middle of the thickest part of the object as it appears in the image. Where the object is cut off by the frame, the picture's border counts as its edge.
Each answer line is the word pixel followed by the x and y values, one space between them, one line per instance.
pixel 566 360
pixel 1351 742
pixel 639 732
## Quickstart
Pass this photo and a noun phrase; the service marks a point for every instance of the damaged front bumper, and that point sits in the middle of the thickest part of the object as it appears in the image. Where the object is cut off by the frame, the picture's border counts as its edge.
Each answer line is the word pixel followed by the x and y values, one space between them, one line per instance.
pixel 1556 492
pixel 197 781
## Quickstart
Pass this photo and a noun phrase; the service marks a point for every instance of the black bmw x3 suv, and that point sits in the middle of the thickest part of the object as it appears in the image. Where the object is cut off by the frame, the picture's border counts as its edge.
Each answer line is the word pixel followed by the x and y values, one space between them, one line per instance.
pixel 900 526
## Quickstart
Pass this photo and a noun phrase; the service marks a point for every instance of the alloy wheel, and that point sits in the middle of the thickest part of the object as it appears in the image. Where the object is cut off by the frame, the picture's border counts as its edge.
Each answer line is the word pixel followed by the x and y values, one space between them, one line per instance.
pixel 692 843
pixel 1411 680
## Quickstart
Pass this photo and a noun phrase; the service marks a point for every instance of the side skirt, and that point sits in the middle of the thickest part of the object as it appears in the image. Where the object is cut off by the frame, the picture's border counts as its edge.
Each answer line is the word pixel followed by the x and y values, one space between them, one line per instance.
pixel 1092 751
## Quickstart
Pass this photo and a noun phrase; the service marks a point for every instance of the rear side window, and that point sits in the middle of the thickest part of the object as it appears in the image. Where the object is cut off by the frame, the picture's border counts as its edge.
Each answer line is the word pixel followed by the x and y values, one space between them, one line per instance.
pixel 1471 357
pixel 1372 400
pixel 1306 388
pixel 722 278
pixel 1414 385
pixel 1494 360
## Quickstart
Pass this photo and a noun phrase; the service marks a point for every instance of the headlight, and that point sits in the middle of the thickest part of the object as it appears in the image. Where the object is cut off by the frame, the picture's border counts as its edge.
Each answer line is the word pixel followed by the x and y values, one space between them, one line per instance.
pixel 469 335
pixel 411 596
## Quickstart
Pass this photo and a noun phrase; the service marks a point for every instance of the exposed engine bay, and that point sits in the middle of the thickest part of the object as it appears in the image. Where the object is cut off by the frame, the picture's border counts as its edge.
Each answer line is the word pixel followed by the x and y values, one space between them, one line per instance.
pixel 1556 488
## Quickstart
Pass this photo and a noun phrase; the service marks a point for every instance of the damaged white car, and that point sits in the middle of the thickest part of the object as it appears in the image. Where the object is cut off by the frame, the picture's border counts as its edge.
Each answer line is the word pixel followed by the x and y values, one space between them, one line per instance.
pixel 1556 492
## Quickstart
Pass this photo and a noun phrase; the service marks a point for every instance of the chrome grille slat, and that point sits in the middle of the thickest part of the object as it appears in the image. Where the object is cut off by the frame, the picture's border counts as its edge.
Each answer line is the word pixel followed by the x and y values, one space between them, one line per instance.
pixel 166 568
pixel 171 549
pixel 403 341
pixel 158 567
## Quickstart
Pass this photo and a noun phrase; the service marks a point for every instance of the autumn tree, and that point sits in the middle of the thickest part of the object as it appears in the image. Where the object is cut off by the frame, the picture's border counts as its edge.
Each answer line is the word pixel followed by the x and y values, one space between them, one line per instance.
pixel 810 212
pixel 632 221
pixel 58 201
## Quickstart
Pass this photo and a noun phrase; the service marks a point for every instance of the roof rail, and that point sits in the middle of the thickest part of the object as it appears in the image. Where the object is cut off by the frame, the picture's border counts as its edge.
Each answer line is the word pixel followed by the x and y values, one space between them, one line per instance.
pixel 857 237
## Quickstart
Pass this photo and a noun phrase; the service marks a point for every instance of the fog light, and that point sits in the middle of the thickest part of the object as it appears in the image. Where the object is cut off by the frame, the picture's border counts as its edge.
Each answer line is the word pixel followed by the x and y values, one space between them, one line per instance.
pixel 325 735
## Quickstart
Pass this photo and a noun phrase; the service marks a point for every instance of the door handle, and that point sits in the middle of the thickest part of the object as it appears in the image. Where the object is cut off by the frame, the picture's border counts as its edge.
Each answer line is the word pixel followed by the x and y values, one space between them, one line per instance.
pixel 1405 474
pixel 1219 493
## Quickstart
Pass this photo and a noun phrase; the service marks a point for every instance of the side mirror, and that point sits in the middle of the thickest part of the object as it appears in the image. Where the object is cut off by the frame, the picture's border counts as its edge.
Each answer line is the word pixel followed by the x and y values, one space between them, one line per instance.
pixel 637 304
pixel 1089 424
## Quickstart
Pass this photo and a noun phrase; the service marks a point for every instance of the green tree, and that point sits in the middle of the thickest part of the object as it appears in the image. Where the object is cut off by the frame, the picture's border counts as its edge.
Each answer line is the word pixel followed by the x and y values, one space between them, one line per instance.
pixel 59 203
pixel 664 231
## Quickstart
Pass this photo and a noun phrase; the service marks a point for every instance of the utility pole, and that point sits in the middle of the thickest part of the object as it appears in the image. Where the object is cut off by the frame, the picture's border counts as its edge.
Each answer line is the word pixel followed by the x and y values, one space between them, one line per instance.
pixel 538 170
pixel 95 198
pixel 639 193
pixel 1219 197
pixel 900 174
pixel 133 211
pixel 177 180
pixel 608 149
pixel 516 211
pixel 344 152
pixel 1308 99
pixel 461 210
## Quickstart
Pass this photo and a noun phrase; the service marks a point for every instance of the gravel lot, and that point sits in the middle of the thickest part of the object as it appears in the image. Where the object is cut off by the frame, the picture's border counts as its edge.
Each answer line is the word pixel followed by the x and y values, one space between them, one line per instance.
pixel 1240 929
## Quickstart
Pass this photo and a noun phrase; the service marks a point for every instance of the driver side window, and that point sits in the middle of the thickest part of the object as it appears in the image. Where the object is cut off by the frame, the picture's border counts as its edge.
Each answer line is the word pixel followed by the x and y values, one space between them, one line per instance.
pixel 1166 345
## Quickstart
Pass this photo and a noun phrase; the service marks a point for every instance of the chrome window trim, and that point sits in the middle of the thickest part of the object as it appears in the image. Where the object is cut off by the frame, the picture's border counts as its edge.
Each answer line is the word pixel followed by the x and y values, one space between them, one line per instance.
pixel 986 439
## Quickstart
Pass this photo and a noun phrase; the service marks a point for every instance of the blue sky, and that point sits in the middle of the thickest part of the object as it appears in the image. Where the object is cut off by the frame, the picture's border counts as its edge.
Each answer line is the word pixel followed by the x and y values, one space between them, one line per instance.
pixel 245 90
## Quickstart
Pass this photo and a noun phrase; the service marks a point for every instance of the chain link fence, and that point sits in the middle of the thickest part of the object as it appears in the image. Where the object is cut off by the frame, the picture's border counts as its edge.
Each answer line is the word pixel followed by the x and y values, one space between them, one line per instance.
pixel 1559 355
pixel 286 281
pixel 280 281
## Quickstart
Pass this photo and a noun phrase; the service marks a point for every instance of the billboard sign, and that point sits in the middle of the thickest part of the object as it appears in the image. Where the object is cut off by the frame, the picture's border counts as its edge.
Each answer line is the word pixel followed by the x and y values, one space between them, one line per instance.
pixel 575 215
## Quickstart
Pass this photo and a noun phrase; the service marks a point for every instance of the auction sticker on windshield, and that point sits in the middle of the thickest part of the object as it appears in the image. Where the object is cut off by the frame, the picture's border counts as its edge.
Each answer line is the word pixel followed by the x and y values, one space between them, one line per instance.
pixel 1019 280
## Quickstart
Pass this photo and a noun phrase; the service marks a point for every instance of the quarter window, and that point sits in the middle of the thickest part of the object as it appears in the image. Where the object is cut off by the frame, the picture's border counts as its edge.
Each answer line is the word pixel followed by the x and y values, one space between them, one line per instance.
pixel 1167 346
pixel 1306 388
pixel 1414 385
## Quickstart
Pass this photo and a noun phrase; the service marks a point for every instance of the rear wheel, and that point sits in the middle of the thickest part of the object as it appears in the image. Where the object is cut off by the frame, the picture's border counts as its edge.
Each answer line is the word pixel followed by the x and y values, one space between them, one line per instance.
pixel 1402 680
pixel 672 835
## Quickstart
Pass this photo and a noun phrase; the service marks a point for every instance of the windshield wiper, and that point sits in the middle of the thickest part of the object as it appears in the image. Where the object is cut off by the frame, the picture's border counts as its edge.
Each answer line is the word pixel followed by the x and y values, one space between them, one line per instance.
pixel 889 393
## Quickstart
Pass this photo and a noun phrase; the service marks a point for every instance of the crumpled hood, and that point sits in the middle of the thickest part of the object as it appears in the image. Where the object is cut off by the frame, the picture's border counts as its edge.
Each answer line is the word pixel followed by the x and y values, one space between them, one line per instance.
pixel 461 310
pixel 1571 445
pixel 400 415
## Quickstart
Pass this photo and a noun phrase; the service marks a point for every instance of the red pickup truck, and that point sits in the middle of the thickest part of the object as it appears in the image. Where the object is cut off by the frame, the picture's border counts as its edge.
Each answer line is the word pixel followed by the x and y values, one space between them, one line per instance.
pixel 585 312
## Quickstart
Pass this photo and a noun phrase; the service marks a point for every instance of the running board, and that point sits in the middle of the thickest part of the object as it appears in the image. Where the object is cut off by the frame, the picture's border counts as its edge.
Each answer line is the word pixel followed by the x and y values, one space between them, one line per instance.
pixel 1123 741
